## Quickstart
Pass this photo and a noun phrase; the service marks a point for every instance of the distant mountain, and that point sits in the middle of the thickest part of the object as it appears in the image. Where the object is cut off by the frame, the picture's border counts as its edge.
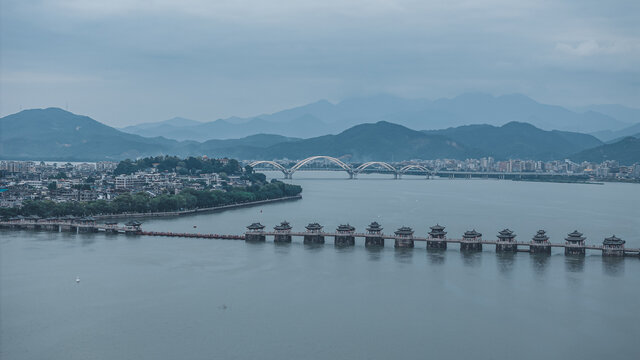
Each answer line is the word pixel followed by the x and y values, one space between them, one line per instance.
pixel 56 134
pixel 474 108
pixel 303 126
pixel 323 117
pixel 615 136
pixel 620 112
pixel 625 151
pixel 175 122
pixel 517 140
pixel 382 141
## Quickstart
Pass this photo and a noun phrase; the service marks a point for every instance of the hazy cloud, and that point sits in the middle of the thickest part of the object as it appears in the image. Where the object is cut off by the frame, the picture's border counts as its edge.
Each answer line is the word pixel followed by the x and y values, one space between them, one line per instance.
pixel 125 61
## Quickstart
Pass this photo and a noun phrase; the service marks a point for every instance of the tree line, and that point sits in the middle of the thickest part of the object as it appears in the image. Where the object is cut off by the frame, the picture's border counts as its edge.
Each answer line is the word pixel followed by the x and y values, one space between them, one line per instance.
pixel 190 165
pixel 143 202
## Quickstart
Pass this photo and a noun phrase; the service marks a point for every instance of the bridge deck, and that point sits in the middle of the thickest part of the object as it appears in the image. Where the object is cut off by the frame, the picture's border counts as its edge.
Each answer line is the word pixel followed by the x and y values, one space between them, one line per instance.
pixel 27 224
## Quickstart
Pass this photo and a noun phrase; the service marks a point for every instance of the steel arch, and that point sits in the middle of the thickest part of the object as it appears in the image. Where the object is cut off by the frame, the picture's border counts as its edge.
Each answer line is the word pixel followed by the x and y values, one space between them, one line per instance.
pixel 272 163
pixel 418 167
pixel 302 163
pixel 371 163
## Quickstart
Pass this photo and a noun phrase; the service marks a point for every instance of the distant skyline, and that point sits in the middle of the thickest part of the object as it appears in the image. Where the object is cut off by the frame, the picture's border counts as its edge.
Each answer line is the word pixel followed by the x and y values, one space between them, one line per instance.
pixel 124 62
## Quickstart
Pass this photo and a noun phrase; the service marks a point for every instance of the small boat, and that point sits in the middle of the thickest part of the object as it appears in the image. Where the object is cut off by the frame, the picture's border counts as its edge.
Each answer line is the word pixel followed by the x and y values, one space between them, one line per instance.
pixel 77 280
pixel 194 226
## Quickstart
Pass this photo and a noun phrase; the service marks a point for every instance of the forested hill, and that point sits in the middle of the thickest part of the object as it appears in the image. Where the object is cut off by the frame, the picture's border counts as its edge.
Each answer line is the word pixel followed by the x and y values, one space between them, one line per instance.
pixel 516 140
pixel 55 134
pixel 382 141
pixel 625 151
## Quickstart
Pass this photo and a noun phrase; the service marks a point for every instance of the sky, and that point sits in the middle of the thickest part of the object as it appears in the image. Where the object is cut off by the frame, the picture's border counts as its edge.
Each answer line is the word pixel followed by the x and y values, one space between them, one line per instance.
pixel 129 61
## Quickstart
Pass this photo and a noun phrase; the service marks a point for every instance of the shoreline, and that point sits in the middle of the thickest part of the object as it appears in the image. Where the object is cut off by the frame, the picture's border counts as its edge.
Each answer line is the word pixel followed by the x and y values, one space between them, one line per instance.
pixel 195 211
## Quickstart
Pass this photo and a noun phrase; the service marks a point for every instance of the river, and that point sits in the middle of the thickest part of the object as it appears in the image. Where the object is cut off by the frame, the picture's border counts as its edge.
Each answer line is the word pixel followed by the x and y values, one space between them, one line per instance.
pixel 177 298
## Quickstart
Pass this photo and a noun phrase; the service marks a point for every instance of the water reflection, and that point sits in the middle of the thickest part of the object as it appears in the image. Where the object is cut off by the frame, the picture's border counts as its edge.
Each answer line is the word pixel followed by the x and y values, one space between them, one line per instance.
pixel 574 263
pixel 404 255
pixel 282 247
pixel 313 247
pixel 374 252
pixel 471 258
pixel 88 239
pixel 344 248
pixel 540 263
pixel 505 261
pixel 437 257
pixel 613 265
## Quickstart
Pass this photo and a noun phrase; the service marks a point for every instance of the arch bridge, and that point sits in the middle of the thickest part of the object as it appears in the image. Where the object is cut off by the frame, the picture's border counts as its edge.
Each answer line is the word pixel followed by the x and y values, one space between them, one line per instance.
pixel 352 171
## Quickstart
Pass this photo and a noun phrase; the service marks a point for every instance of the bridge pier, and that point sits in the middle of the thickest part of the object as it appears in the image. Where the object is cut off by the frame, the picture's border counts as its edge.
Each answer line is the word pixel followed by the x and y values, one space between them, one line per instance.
pixel 374 235
pixel 255 233
pixel 575 240
pixel 345 235
pixel 506 241
pixel 404 237
pixel 283 233
pixel 471 241
pixel 436 239
pixel 540 243
pixel 314 234
pixel 613 246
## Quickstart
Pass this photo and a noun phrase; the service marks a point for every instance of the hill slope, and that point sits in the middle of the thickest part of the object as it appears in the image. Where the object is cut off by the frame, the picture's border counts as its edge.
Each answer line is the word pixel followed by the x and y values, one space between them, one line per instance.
pixel 57 134
pixel 519 140
pixel 382 141
pixel 625 151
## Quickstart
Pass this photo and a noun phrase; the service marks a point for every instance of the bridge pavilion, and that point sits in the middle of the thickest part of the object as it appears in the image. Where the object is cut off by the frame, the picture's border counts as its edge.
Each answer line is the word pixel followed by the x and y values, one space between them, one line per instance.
pixel 374 235
pixel 576 242
pixel 314 234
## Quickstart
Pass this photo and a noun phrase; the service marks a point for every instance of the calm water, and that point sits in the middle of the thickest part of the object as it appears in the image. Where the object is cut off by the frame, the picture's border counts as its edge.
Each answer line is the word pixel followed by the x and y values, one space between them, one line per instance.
pixel 162 298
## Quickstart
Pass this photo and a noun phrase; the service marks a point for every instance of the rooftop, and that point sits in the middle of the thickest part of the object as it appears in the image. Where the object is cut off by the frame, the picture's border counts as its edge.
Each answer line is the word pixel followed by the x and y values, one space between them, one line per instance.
pixel 374 226
pixel 255 226
pixel 613 240
pixel 575 236
pixel 347 227
pixel 540 236
pixel 405 230
pixel 314 226
pixel 283 226
pixel 471 234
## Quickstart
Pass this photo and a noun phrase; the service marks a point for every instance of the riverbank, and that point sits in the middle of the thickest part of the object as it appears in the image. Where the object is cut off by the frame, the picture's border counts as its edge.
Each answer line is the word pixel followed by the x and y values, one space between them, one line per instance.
pixel 195 211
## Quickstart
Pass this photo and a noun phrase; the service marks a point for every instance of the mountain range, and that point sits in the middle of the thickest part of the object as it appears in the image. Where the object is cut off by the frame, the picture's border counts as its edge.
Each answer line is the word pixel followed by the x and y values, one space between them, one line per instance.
pixel 323 117
pixel 55 134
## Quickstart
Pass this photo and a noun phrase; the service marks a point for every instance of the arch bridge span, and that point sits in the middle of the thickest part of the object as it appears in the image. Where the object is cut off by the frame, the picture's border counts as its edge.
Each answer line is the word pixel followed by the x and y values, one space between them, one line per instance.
pixel 284 170
pixel 352 171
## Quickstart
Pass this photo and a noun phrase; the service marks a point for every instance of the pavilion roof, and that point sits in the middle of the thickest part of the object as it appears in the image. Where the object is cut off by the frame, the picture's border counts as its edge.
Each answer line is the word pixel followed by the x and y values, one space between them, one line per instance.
pixel 283 226
pixel 471 234
pixel 405 230
pixel 346 227
pixel 374 226
pixel 540 236
pixel 314 226
pixel 613 240
pixel 575 236
pixel 255 226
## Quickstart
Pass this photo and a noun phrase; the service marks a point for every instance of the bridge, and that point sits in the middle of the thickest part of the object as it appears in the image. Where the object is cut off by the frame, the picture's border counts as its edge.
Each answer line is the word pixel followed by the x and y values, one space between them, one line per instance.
pixel 403 237
pixel 397 172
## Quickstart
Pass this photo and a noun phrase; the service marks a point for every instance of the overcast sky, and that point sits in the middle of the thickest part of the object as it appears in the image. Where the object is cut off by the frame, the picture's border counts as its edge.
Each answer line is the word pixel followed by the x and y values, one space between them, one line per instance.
pixel 128 61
